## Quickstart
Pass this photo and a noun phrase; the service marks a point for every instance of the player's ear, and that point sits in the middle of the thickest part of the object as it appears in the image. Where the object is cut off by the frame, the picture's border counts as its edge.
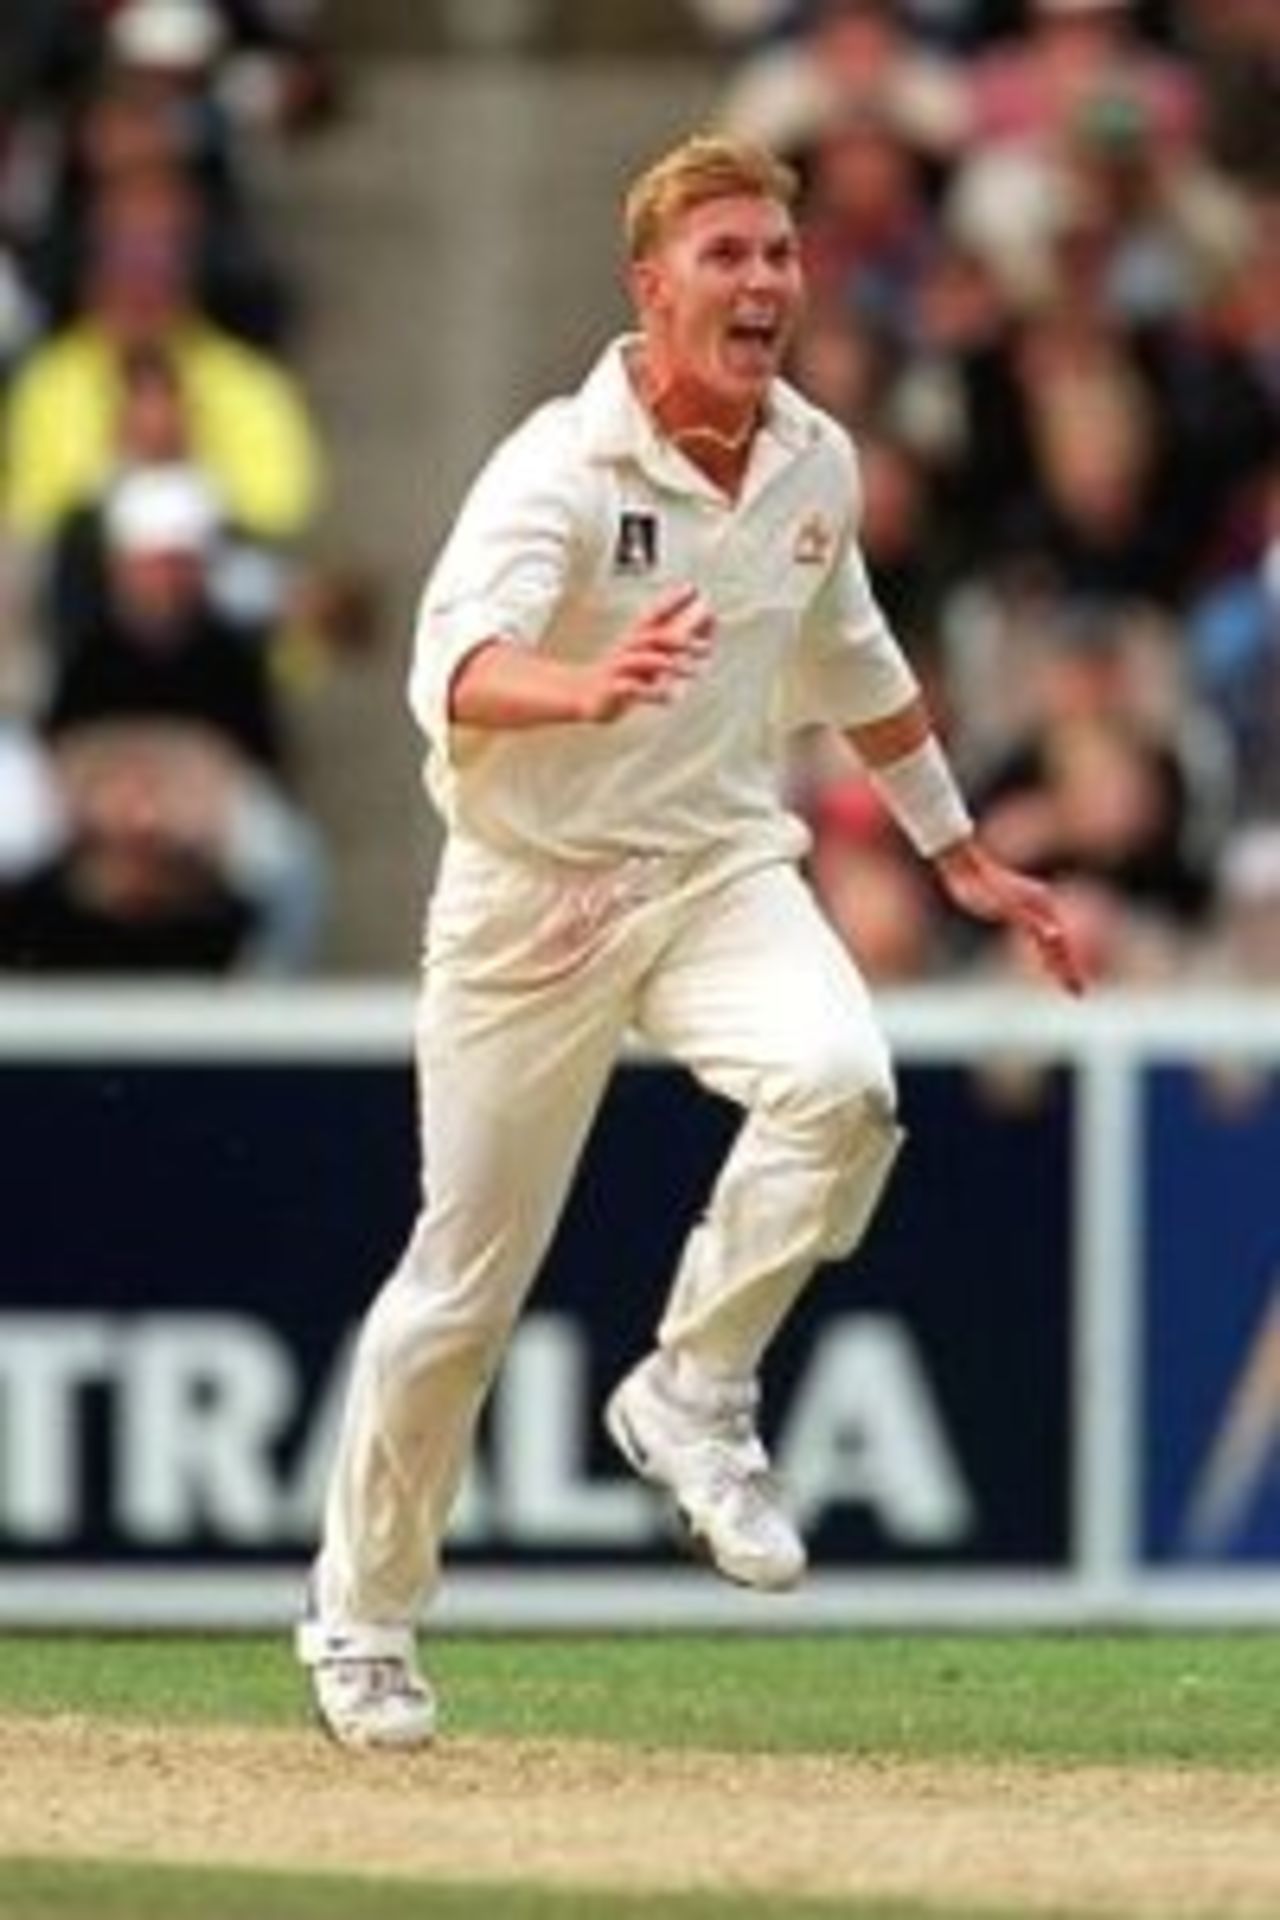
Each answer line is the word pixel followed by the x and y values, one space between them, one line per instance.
pixel 644 283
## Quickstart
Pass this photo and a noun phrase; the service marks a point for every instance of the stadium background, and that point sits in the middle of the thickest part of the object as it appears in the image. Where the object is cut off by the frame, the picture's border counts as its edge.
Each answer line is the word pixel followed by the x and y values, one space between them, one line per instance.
pixel 448 224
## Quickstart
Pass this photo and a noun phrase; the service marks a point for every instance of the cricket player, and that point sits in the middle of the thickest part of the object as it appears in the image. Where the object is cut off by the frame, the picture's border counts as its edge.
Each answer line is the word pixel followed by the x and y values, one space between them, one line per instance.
pixel 650 583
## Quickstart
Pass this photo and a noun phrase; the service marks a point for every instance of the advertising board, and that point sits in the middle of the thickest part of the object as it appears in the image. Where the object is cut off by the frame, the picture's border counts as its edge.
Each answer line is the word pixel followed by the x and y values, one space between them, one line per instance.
pixel 189 1243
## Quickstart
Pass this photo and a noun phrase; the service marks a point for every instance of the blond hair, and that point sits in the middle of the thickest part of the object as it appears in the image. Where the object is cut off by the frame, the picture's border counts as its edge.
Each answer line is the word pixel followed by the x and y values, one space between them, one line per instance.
pixel 704 167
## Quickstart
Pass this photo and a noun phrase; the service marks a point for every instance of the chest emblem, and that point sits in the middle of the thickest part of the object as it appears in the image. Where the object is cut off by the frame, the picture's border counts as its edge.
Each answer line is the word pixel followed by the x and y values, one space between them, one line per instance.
pixel 814 539
pixel 635 545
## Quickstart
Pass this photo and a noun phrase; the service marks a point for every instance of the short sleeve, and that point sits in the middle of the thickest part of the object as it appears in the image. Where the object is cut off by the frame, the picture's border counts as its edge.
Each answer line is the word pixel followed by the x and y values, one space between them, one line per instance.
pixel 847 668
pixel 506 565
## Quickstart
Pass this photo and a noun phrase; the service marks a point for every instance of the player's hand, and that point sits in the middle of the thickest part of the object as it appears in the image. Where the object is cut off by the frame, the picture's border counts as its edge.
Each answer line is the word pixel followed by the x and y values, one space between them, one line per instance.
pixel 657 654
pixel 981 885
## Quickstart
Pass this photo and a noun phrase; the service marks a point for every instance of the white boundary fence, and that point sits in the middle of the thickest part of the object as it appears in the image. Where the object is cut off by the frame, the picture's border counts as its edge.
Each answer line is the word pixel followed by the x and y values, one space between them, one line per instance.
pixel 1108 1040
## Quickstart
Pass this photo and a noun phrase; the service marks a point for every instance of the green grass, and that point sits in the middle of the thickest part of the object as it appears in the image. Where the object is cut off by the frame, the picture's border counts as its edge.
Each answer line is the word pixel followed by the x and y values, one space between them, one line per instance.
pixel 1133 1698
pixel 31 1890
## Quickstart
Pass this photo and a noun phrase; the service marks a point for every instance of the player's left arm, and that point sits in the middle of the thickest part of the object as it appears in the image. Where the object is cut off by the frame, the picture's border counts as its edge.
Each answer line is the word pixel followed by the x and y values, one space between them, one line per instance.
pixel 905 759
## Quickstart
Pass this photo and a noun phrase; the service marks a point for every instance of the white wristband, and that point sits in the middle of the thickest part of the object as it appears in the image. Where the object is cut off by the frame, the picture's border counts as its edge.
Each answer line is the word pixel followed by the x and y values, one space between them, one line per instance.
pixel 921 793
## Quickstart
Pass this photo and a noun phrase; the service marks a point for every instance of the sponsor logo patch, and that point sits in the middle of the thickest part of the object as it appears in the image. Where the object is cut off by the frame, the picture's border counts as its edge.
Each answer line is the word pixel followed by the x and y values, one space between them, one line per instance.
pixel 635 546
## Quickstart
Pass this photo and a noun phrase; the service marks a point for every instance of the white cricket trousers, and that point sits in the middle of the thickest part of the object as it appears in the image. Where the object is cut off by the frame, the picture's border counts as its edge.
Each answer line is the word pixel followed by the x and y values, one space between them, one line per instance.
pixel 531 983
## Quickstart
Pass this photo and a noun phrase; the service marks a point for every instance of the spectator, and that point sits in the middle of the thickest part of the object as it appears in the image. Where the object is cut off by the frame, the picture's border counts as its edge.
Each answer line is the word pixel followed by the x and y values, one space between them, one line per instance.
pixel 904 556
pixel 234 64
pixel 155 646
pixel 251 428
pixel 164 666
pixel 48 51
pixel 1233 631
pixel 1243 322
pixel 1114 457
pixel 741 25
pixel 1098 510
pixel 1234 46
pixel 1030 88
pixel 263 57
pixel 177 42
pixel 133 885
pixel 853 57
pixel 868 232
pixel 1097 791
pixel 1218 386
pixel 1246 947
pixel 32 815
pixel 132 128
pixel 1164 229
pixel 277 72
pixel 842 363
pixel 94 874
pixel 874 385
pixel 958 406
pixel 158 476
pixel 1054 343
pixel 248 582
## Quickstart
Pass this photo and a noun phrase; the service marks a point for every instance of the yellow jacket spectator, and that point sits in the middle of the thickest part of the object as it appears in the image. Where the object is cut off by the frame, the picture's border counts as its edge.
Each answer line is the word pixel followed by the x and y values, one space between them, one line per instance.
pixel 249 424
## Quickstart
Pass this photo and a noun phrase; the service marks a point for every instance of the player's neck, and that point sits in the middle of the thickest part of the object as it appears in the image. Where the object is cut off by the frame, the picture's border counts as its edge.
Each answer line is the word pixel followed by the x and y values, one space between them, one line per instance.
pixel 714 434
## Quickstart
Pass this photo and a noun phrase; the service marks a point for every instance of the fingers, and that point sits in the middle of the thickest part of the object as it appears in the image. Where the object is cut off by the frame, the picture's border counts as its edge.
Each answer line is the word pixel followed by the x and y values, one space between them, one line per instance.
pixel 673 602
pixel 1034 911
pixel 683 619
pixel 664 647
pixel 988 889
pixel 1060 960
pixel 652 678
pixel 1055 946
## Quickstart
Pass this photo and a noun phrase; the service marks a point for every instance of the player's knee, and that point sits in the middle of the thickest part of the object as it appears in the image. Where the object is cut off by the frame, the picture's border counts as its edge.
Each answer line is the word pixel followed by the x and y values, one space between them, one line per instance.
pixel 420 1333
pixel 866 1161
pixel 424 1319
pixel 840 1091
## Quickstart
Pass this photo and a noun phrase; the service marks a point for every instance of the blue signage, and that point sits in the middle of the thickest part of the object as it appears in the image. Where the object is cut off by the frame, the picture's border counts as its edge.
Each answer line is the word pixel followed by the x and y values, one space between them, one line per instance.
pixel 1211 1297
pixel 188 1245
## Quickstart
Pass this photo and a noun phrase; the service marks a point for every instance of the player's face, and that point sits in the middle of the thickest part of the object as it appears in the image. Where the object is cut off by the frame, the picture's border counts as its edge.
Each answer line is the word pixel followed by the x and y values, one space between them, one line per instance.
pixel 720 296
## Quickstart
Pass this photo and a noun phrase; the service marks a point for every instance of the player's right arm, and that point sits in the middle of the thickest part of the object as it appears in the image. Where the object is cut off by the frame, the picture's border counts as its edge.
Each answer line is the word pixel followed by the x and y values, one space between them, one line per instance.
pixel 502 685
pixel 522 541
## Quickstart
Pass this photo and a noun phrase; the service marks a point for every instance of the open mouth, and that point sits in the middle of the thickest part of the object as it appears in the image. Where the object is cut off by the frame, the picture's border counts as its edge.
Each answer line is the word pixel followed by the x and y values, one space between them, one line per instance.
pixel 761 335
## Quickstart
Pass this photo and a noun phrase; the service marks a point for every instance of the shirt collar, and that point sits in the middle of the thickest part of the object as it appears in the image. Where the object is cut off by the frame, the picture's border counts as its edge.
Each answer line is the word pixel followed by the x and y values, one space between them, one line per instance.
pixel 619 427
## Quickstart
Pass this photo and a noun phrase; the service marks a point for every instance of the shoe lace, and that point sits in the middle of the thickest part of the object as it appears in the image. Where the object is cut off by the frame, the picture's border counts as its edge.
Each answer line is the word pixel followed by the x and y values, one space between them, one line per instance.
pixel 384 1679
pixel 734 1464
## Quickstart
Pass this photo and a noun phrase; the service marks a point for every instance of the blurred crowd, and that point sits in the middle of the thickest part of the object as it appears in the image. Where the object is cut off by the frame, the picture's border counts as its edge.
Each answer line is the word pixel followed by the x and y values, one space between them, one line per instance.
pixel 160 474
pixel 1044 245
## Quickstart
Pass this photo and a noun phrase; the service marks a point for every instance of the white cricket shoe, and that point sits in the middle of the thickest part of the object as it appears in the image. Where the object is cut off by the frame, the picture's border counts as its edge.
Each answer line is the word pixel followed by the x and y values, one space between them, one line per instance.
pixel 698 1439
pixel 366 1686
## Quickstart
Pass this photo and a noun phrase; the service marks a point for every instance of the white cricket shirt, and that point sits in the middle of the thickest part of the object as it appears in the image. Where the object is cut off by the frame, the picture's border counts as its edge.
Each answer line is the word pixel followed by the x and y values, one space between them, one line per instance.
pixel 578 520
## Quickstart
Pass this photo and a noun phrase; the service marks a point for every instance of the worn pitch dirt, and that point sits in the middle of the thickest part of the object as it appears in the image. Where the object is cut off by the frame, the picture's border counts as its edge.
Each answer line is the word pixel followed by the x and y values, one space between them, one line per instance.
pixel 1164 1842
